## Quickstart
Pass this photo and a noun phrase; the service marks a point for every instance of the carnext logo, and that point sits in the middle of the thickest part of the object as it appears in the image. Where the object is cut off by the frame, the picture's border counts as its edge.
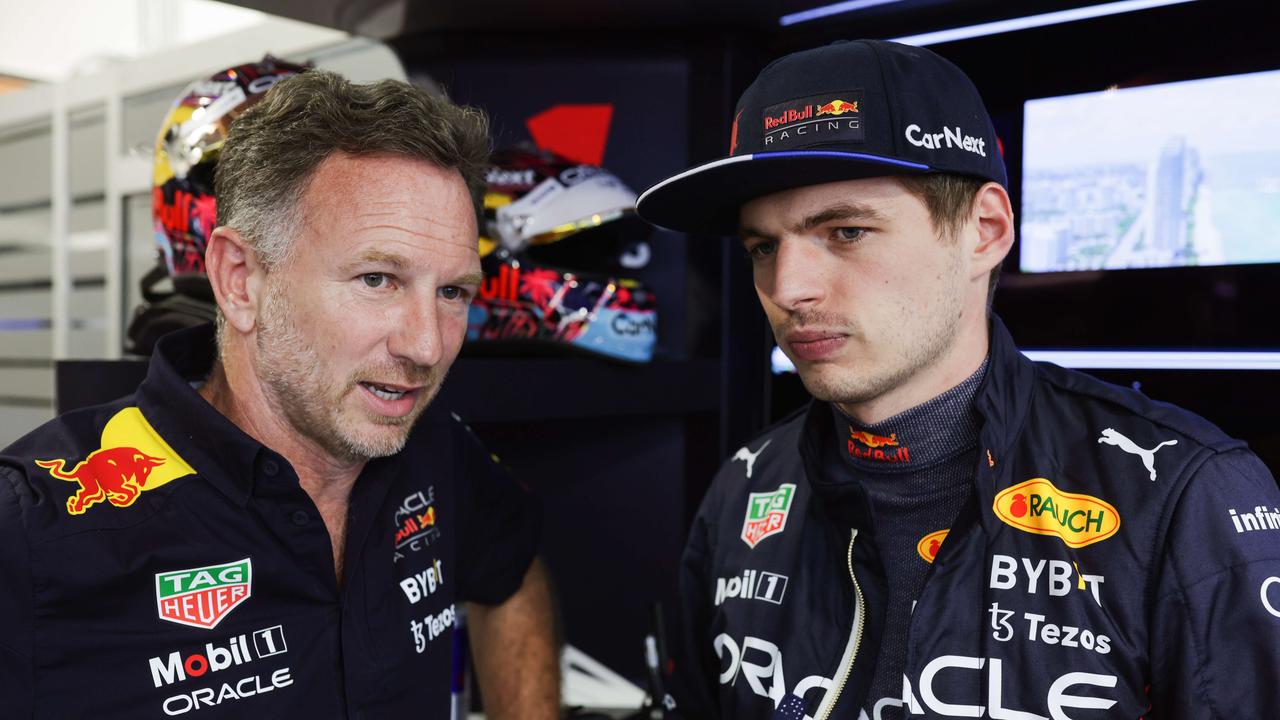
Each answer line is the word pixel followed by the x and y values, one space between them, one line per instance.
pixel 951 137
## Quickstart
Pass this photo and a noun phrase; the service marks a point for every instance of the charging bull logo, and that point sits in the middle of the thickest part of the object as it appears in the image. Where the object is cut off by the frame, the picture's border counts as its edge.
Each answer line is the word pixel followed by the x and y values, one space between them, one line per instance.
pixel 837 107
pixel 874 441
pixel 133 459
pixel 869 446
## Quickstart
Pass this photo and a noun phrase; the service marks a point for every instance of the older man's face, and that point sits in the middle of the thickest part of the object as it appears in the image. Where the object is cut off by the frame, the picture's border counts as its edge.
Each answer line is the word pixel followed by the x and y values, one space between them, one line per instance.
pixel 363 318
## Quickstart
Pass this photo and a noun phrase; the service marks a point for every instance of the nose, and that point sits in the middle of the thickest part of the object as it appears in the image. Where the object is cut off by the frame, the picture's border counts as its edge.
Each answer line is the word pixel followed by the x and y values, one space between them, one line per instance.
pixel 416 334
pixel 793 281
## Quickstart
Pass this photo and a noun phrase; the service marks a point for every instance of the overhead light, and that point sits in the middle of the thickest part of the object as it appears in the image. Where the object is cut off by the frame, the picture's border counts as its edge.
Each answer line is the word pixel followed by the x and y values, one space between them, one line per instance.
pixel 839 8
pixel 1158 360
pixel 1034 21
pixel 1123 360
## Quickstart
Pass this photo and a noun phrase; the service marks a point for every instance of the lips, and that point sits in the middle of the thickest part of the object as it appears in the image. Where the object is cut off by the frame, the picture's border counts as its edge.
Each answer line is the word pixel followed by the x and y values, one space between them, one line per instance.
pixel 387 391
pixel 389 398
pixel 814 344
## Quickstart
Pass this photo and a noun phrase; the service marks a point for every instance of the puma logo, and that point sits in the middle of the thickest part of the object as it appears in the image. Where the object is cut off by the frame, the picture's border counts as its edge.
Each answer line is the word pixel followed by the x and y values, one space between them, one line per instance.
pixel 1111 437
pixel 749 457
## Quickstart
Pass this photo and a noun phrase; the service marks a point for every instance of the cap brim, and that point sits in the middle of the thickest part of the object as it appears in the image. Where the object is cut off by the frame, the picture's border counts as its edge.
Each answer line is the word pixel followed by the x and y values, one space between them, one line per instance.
pixel 706 199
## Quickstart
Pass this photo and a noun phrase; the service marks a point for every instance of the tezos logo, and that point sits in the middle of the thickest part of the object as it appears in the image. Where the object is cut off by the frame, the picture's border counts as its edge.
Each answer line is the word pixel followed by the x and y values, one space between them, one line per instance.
pixel 1036 506
pixel 431 627
pixel 767 514
pixel 202 597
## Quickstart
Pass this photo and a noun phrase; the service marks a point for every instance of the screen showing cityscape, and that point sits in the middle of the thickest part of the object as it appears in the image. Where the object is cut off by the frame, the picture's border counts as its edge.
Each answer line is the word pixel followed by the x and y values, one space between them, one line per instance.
pixel 1172 175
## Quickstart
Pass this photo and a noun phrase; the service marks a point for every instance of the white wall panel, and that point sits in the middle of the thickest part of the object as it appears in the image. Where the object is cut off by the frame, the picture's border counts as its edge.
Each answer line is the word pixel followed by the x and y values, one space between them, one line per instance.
pixel 18 421
pixel 26 382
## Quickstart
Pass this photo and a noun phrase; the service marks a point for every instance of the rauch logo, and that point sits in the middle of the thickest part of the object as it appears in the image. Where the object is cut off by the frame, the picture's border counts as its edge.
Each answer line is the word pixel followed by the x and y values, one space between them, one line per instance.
pixel 930 544
pixel 1036 506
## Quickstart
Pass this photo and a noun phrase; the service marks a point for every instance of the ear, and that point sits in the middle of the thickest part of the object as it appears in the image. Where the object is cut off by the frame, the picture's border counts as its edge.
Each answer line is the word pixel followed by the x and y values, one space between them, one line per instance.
pixel 992 218
pixel 236 277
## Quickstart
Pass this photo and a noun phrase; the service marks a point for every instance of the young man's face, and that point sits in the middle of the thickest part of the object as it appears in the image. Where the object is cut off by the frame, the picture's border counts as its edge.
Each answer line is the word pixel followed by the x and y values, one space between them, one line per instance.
pixel 862 293
pixel 363 318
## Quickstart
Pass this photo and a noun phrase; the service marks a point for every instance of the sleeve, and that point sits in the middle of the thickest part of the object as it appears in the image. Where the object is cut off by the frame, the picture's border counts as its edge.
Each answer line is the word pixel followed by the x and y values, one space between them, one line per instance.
pixel 694 682
pixel 17 668
pixel 1215 633
pixel 500 525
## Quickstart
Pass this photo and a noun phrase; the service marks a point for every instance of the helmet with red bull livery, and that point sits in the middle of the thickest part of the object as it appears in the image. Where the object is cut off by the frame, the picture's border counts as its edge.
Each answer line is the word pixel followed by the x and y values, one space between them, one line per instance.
pixel 183 206
pixel 550 266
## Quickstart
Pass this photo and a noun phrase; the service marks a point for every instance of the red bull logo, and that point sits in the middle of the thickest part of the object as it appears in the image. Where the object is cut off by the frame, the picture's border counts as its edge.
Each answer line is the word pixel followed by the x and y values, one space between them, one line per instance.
pixel 874 441
pixel 869 446
pixel 788 116
pixel 133 459
pixel 837 107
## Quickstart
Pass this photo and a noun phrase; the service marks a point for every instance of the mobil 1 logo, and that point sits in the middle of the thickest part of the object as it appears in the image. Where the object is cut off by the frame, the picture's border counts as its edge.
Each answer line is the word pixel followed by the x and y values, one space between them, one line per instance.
pixel 752 585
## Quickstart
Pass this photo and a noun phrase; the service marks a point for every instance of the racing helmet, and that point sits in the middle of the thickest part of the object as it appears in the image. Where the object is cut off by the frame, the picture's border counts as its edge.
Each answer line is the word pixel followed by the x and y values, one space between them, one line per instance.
pixel 183 207
pixel 551 254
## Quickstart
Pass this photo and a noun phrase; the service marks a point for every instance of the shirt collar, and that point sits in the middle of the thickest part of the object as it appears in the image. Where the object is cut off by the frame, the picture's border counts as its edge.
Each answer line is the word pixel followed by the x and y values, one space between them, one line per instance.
pixel 222 453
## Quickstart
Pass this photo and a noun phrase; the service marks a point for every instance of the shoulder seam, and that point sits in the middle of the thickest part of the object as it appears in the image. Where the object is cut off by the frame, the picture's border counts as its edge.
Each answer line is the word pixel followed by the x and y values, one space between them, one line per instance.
pixel 1217 446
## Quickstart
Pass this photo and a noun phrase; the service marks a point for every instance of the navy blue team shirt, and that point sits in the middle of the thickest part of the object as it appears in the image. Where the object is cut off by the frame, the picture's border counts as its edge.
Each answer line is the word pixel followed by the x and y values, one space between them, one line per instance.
pixel 156 561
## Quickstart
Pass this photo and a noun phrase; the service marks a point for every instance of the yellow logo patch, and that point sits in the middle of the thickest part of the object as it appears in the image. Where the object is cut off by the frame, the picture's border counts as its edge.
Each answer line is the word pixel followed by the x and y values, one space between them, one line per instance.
pixel 1036 506
pixel 133 458
pixel 930 544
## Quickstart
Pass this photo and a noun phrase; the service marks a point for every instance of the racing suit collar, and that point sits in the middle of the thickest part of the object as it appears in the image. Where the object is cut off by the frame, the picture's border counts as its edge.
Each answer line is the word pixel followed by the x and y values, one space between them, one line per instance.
pixel 219 450
pixel 1002 401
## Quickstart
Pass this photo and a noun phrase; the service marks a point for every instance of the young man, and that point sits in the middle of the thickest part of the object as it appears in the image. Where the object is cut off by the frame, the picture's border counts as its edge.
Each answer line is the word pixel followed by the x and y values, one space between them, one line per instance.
pixel 949 530
pixel 276 525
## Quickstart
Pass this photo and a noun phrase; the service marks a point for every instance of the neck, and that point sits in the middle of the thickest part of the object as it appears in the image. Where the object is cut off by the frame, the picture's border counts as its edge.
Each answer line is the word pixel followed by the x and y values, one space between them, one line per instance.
pixel 962 359
pixel 234 390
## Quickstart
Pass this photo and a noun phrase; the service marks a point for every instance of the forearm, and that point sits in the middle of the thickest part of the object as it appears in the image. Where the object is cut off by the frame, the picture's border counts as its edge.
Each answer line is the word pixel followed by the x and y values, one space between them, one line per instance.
pixel 516 652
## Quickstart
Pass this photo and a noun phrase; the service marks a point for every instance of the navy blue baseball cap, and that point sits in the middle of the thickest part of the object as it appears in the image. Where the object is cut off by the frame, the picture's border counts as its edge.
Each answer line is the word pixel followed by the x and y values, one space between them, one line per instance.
pixel 849 110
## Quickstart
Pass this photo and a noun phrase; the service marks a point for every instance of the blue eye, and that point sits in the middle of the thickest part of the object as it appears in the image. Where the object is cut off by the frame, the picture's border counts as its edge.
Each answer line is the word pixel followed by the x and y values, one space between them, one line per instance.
pixel 374 280
pixel 850 234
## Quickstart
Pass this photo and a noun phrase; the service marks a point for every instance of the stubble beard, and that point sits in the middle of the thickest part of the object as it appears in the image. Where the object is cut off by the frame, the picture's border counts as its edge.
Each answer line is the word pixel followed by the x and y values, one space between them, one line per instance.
pixel 900 359
pixel 292 373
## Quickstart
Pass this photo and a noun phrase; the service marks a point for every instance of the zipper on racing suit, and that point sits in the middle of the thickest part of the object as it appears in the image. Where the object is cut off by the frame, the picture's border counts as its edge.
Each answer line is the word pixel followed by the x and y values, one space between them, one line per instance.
pixel 855 641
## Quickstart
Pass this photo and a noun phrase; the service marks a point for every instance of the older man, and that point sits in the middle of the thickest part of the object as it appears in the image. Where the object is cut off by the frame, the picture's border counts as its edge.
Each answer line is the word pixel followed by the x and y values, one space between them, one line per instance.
pixel 276 524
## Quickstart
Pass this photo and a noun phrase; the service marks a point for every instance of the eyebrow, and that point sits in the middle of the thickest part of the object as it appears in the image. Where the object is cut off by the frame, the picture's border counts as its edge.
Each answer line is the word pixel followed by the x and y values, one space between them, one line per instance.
pixel 380 257
pixel 470 279
pixel 842 211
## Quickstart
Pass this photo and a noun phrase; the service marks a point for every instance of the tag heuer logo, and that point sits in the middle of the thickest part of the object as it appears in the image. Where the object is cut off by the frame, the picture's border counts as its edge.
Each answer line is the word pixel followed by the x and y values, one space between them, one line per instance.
pixel 767 514
pixel 202 597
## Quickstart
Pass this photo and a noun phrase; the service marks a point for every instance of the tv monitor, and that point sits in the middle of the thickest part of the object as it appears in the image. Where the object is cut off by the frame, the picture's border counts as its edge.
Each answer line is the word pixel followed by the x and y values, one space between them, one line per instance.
pixel 1172 175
